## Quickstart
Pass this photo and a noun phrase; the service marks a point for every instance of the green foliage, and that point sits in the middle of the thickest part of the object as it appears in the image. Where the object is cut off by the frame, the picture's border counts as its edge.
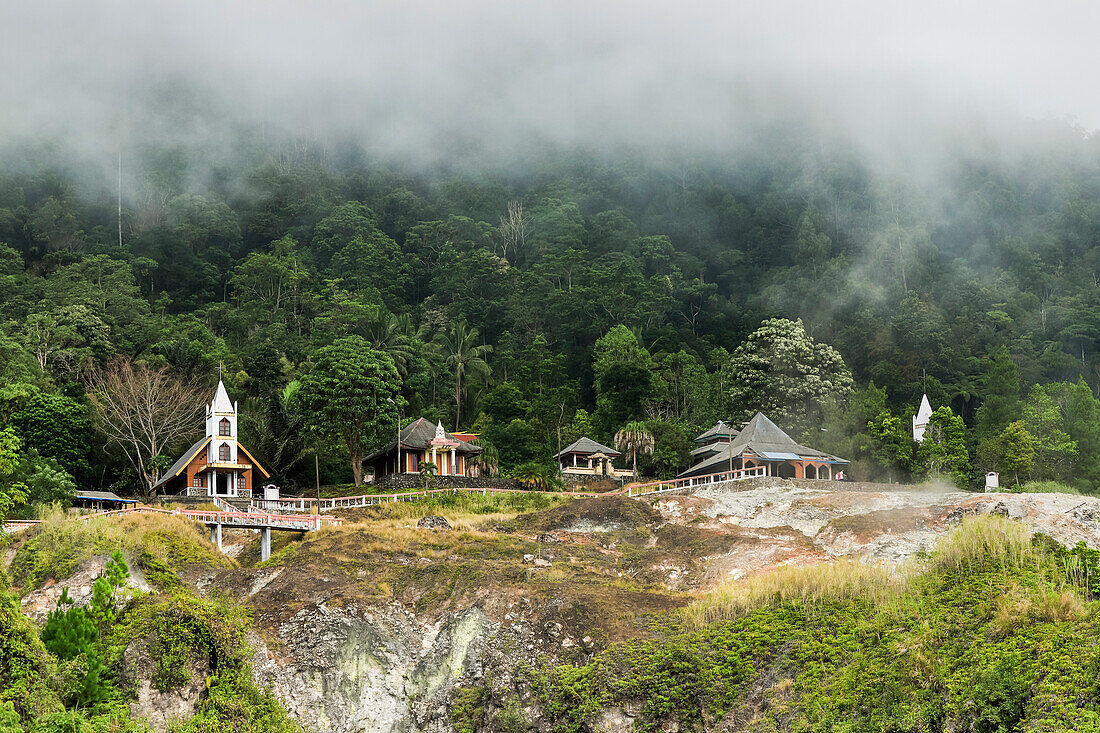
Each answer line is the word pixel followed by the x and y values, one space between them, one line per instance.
pixel 57 427
pixel 13 490
pixel 780 371
pixel 625 380
pixel 943 449
pixel 1045 423
pixel 988 638
pixel 536 476
pixel 71 634
pixel 1015 451
pixel 891 443
pixel 468 711
pixel 351 395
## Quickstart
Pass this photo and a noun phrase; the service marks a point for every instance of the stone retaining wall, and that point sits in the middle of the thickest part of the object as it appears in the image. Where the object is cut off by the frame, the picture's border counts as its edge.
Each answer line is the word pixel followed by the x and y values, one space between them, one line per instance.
pixel 775 482
pixel 412 482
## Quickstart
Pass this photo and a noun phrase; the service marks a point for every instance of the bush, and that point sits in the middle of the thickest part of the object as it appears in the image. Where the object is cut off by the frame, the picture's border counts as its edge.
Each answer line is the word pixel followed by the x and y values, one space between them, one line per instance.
pixel 1044 487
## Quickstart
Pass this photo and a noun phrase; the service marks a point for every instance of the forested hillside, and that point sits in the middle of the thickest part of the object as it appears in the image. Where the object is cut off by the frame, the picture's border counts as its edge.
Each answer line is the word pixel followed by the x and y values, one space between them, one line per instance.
pixel 607 288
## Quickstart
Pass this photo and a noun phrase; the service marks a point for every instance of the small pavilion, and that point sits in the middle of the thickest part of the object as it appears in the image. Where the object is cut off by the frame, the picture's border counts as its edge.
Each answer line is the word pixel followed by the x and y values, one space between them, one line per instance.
pixel 586 457
pixel 762 443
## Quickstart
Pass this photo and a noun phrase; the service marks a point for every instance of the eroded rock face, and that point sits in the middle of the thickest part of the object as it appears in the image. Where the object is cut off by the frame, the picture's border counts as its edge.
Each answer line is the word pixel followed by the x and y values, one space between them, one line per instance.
pixel 886 527
pixel 38 603
pixel 163 707
pixel 376 669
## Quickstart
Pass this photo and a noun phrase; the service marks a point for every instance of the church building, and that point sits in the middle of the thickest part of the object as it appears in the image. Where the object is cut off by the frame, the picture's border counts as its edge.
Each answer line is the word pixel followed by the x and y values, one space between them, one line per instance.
pixel 217 465
pixel 920 420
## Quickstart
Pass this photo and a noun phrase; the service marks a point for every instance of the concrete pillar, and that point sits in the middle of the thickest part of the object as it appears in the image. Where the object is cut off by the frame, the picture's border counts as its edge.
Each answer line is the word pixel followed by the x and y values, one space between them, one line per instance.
pixel 265 543
pixel 218 536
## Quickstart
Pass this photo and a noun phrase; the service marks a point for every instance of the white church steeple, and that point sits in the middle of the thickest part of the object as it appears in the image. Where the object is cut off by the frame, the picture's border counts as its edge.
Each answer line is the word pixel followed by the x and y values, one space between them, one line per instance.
pixel 920 420
pixel 221 426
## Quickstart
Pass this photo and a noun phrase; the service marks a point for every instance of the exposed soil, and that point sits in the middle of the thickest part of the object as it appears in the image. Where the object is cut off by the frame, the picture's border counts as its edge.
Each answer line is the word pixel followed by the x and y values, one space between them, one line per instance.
pixel 598 514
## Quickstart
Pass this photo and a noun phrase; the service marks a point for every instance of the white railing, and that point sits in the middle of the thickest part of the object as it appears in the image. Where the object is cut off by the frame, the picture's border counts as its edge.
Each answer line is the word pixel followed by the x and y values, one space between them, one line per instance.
pixel 222 504
pixel 664 487
pixel 270 512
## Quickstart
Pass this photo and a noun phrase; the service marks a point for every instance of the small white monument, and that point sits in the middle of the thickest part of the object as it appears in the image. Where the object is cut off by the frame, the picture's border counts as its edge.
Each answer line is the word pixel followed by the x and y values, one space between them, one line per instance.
pixel 992 482
pixel 271 492
pixel 920 420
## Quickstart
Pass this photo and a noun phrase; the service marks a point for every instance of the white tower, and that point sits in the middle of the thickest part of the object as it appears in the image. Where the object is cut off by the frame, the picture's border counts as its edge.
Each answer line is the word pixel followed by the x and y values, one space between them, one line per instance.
pixel 221 427
pixel 920 420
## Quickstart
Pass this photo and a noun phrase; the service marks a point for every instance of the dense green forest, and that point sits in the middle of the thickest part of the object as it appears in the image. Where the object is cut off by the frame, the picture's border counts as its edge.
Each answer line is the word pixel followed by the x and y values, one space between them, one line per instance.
pixel 571 292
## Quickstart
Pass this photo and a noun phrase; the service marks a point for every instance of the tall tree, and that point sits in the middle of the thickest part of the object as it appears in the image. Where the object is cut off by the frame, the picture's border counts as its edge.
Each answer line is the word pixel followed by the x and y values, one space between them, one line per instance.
pixel 144 410
pixel 781 371
pixel 351 395
pixel 458 344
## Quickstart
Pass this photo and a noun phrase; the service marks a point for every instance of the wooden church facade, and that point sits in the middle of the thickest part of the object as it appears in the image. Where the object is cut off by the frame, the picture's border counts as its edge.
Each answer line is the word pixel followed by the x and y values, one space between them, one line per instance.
pixel 217 465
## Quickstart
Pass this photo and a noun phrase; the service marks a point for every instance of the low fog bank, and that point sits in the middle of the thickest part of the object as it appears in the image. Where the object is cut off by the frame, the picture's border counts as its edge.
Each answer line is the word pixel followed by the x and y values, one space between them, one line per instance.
pixel 430 82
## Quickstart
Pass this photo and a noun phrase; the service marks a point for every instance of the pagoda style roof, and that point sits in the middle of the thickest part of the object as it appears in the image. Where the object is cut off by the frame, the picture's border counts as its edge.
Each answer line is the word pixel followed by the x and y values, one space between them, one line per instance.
pixel 421 434
pixel 761 439
pixel 587 447
pixel 721 431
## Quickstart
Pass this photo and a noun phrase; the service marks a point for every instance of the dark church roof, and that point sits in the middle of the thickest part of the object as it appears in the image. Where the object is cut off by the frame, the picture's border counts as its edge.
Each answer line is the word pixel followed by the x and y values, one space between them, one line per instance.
pixel 763 439
pixel 179 465
pixel 587 446
pixel 418 435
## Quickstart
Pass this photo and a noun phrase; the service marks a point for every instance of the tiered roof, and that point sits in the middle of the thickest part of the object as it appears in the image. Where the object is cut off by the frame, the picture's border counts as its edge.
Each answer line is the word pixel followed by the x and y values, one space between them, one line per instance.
pixel 761 438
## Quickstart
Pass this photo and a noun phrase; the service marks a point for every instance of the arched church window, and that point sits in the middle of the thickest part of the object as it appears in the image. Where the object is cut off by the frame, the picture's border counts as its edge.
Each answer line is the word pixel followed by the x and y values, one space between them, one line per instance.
pixel 223 453
pixel 223 427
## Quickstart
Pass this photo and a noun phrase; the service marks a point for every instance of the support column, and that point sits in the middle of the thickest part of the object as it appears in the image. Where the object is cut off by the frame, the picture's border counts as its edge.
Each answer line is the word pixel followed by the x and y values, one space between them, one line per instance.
pixel 265 543
pixel 218 536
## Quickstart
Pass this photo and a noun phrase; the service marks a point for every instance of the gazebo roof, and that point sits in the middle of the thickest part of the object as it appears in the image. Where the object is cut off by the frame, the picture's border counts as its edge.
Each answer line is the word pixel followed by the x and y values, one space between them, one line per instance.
pixel 587 447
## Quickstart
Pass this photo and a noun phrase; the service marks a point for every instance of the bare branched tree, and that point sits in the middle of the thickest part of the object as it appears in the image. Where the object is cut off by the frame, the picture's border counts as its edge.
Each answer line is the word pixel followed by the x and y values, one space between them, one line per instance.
pixel 144 410
pixel 513 232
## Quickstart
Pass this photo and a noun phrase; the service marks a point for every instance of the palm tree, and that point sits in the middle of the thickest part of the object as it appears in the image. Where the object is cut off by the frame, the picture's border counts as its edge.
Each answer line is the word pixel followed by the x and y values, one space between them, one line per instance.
pixel 458 345
pixel 635 438
pixel 488 460
pixel 275 429
pixel 387 333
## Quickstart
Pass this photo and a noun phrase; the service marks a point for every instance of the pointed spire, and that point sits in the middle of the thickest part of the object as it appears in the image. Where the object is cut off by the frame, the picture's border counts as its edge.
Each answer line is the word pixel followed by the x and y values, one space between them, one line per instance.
pixel 924 412
pixel 222 403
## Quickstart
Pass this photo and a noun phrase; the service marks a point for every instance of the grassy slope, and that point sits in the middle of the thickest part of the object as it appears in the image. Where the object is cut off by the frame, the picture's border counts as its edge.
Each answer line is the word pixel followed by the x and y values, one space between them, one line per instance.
pixel 987 636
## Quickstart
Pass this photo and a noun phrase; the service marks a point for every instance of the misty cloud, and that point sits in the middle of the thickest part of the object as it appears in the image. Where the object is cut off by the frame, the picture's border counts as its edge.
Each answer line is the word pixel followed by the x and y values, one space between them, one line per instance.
pixel 415 78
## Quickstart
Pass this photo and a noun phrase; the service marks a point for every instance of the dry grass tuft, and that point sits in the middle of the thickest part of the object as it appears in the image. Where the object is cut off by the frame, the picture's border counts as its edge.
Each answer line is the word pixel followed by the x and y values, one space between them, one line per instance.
pixel 981 540
pixel 809 584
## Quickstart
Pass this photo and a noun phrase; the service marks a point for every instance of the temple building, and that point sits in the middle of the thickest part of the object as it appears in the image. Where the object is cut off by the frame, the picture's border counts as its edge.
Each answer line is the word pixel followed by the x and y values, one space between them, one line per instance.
pixel 713 441
pixel 425 441
pixel 217 465
pixel 586 457
pixel 762 443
